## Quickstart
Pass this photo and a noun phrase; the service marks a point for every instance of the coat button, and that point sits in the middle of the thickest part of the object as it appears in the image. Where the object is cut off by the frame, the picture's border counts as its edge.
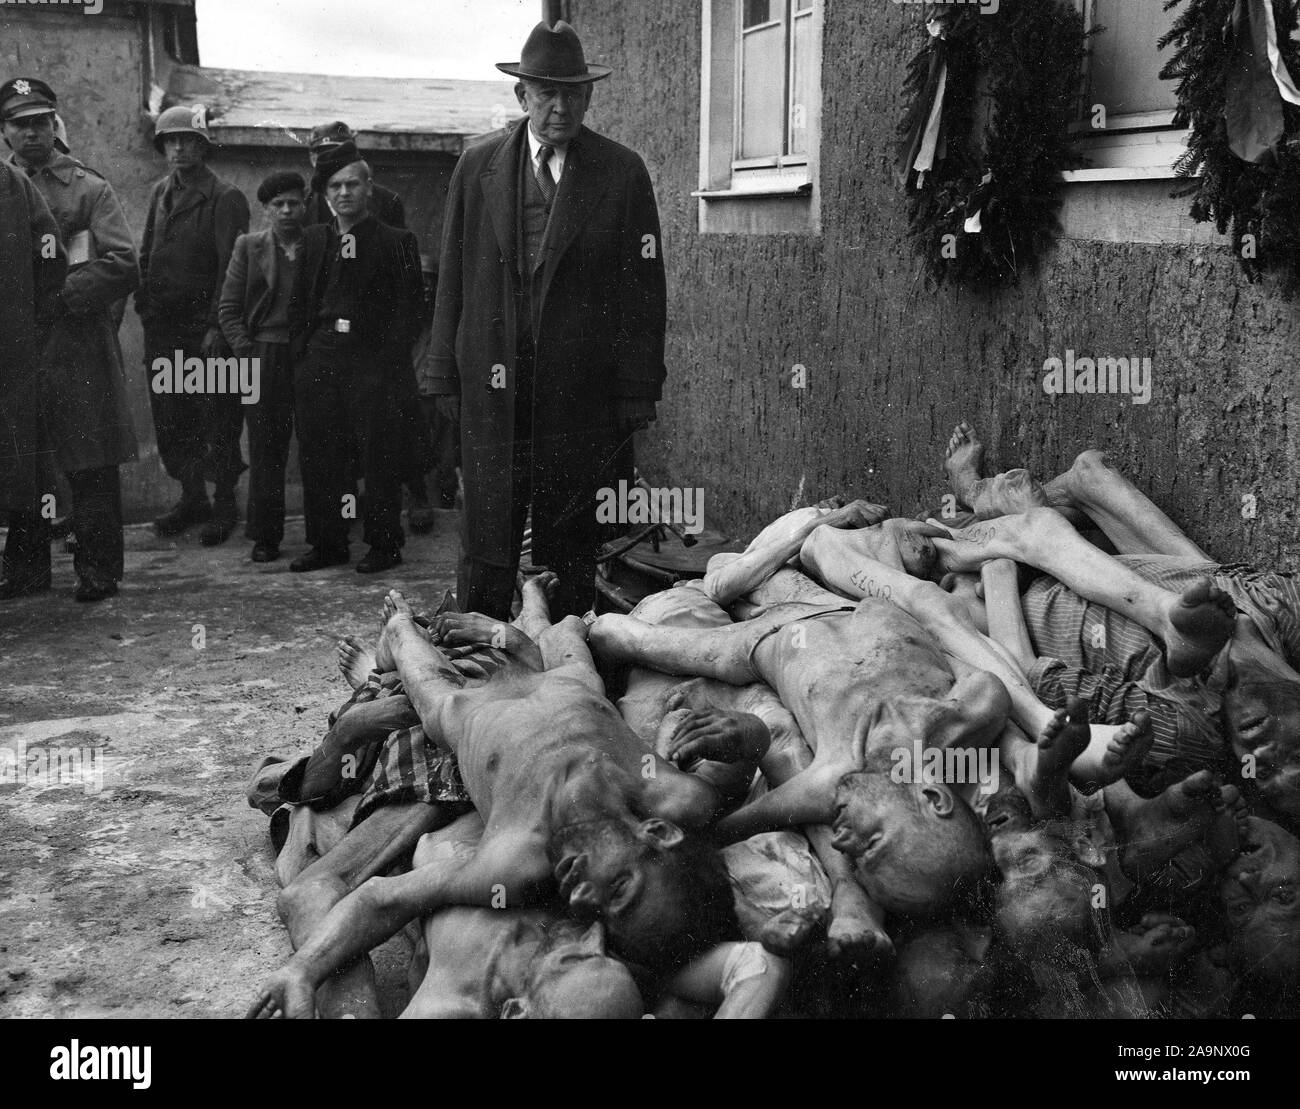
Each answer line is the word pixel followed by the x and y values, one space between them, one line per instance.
pixel 488 387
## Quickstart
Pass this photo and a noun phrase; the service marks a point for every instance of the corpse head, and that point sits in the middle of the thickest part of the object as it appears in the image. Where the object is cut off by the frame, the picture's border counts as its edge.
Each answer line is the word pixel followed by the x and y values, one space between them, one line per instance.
pixel 937 970
pixel 573 978
pixel 1044 903
pixel 662 895
pixel 1260 894
pixel 1261 716
pixel 917 847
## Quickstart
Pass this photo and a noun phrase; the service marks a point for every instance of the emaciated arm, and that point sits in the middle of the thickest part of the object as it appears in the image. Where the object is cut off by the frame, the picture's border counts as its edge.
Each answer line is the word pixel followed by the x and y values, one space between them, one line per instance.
pixel 778 544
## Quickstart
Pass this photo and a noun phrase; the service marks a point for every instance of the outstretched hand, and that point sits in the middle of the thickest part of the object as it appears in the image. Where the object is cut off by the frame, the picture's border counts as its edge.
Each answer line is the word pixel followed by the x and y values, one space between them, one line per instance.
pixel 856 514
pixel 718 736
pixel 284 994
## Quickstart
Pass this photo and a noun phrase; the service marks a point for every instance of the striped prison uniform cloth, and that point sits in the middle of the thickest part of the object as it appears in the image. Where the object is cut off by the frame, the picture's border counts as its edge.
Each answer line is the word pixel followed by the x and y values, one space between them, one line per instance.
pixel 1089 651
pixel 412 767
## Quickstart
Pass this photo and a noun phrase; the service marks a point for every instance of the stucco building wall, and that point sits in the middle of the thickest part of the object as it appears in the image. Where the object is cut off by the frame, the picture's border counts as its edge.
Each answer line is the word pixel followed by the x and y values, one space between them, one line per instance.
pixel 893 365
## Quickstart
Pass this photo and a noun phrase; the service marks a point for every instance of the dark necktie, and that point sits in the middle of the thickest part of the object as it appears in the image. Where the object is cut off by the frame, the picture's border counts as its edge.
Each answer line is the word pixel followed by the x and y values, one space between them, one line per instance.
pixel 545 181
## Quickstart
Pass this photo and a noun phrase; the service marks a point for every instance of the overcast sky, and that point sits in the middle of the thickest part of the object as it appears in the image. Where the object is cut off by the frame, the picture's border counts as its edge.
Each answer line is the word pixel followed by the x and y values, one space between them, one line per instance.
pixel 381 38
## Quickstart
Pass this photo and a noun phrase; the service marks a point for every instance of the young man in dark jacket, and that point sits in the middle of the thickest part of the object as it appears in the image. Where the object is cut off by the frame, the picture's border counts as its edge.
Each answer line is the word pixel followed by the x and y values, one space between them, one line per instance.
pixel 254 315
pixel 354 318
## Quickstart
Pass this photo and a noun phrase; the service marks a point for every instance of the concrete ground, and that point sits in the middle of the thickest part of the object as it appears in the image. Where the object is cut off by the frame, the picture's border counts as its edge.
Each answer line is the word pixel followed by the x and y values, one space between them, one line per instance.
pixel 134 878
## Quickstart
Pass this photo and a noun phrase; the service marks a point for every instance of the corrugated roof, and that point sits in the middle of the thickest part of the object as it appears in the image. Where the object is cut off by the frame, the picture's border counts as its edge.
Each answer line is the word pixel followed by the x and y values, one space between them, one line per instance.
pixel 253 107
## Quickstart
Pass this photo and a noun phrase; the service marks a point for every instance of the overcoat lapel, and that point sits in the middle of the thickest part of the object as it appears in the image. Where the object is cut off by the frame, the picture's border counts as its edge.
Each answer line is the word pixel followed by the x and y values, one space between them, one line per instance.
pixel 499 182
pixel 583 186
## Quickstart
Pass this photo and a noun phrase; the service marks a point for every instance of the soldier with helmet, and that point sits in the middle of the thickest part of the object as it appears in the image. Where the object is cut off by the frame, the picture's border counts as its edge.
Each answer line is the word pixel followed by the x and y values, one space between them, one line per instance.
pixel 86 422
pixel 387 205
pixel 194 219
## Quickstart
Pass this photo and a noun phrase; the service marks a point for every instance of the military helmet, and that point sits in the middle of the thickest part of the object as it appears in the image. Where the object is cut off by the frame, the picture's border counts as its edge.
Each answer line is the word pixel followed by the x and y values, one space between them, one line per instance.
pixel 182 120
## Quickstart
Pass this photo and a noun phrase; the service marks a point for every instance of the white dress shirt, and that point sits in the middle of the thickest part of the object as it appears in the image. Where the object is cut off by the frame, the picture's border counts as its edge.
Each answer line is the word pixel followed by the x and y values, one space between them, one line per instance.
pixel 557 156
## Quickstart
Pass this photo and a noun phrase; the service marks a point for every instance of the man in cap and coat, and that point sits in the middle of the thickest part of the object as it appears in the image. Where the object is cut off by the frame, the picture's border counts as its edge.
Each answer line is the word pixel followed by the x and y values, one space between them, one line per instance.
pixel 86 418
pixel 548 333
pixel 33 265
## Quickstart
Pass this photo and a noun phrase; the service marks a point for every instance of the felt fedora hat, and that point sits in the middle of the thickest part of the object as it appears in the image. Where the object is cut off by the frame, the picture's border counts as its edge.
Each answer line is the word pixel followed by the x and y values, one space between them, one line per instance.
pixel 555 54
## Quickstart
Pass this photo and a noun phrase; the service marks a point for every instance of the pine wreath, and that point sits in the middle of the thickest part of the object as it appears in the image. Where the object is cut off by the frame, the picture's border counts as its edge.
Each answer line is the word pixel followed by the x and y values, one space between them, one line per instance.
pixel 1257 202
pixel 987 209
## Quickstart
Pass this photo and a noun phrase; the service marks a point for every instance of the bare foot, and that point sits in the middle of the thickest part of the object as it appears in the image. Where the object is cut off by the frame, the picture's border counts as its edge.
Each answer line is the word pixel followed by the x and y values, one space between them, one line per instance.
pixel 541 585
pixel 1151 832
pixel 1230 829
pixel 855 936
pixel 394 613
pixel 356 660
pixel 472 629
pixel 1197 625
pixel 1126 746
pixel 964 463
pixel 1126 749
pixel 1155 944
pixel 1064 738
pixel 285 993
pixel 793 929
pixel 1043 771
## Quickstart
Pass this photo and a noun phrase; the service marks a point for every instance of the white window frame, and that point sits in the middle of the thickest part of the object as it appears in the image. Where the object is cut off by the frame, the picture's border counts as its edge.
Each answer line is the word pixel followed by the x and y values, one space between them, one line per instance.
pixel 778 193
pixel 774 168
pixel 1134 147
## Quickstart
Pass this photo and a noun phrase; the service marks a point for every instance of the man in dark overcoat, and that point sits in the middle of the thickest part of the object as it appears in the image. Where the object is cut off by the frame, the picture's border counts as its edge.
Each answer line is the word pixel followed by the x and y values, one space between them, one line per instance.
pixel 353 320
pixel 548 334
pixel 387 207
pixel 194 218
pixel 86 414
pixel 33 264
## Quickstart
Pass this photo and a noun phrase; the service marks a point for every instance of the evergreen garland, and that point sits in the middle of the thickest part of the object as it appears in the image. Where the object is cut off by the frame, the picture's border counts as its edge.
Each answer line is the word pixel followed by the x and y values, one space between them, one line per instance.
pixel 1028 55
pixel 1244 199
